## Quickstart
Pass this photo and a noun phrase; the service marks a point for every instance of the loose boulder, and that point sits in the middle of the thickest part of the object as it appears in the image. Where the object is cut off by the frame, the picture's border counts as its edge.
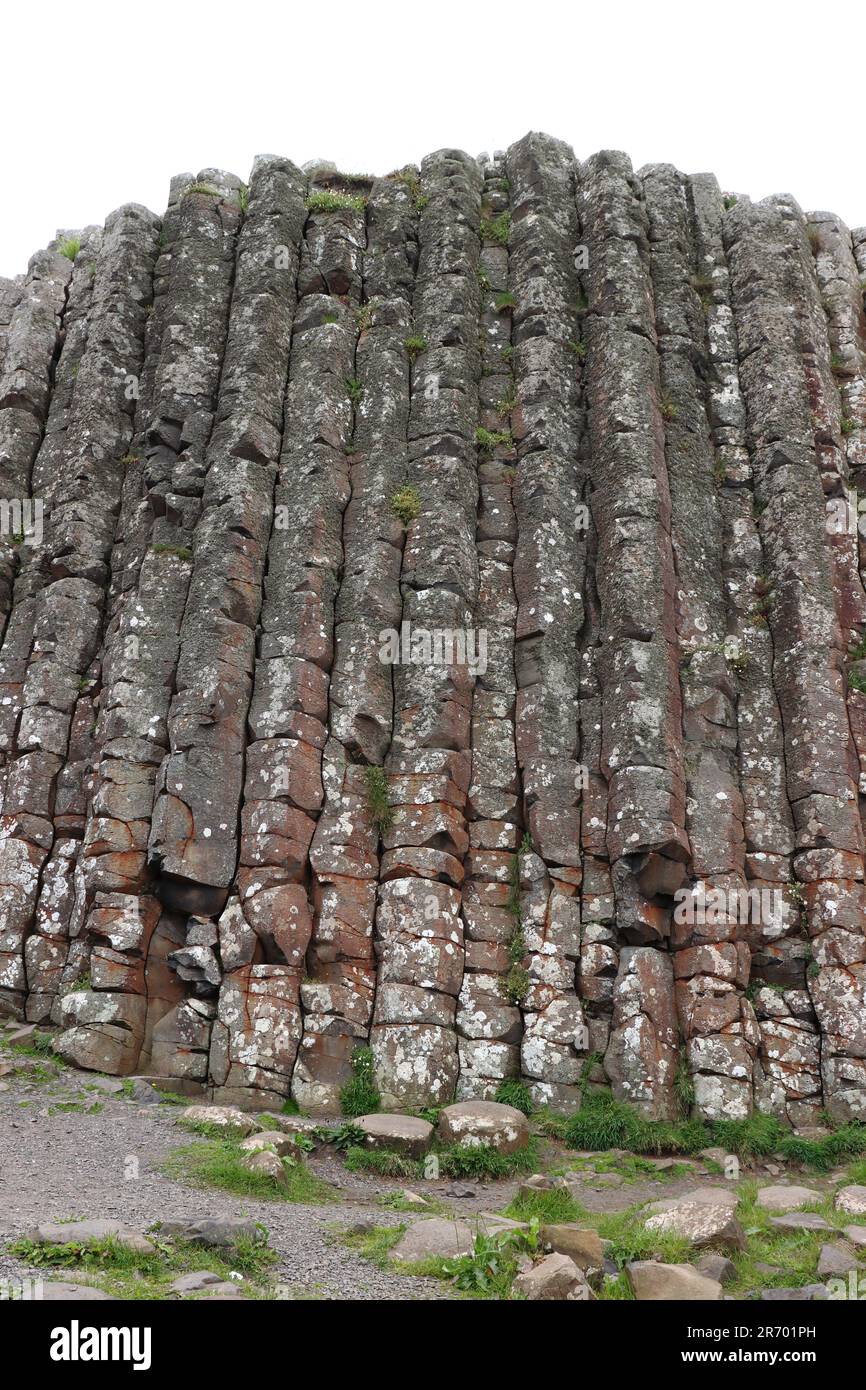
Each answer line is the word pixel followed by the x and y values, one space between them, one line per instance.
pixel 475 1122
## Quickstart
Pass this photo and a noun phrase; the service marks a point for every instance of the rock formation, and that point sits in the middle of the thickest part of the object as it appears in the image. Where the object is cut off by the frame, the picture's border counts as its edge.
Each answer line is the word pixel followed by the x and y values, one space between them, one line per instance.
pixel 434 618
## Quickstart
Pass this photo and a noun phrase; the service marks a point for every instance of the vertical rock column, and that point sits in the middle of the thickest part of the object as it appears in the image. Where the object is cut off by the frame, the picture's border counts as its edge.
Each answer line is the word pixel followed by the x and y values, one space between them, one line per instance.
pixel 68 610
pixel 160 505
pixel 548 425
pixel 264 935
pixel 711 963
pixel 213 684
pixel 489 1023
pixel 32 314
pixel 114 895
pixel 418 932
pixel 338 994
pixel 637 656
pixel 788 390
pixel 46 947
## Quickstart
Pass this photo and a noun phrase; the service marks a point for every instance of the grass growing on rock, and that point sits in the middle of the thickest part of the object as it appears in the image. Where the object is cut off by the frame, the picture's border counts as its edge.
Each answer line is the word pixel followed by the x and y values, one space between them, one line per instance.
pixel 604 1123
pixel 131 1274
pixel 515 1093
pixel 219 1163
pixel 360 1096
pixel 384 1163
pixel 379 808
pixel 481 1162
pixel 336 202
pixel 551 1207
pixel 406 504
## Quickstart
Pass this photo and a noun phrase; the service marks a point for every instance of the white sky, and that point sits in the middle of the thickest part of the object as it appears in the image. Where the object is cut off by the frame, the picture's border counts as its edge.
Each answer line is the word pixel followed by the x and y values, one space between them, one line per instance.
pixel 100 104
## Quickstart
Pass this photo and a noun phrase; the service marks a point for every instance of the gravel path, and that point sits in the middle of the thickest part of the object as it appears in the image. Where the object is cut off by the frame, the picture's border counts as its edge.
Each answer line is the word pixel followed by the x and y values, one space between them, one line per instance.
pixel 72 1164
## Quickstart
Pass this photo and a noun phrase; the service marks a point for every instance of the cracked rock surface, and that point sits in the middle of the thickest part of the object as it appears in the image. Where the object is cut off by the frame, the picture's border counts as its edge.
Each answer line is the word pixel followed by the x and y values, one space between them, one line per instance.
pixel 432 618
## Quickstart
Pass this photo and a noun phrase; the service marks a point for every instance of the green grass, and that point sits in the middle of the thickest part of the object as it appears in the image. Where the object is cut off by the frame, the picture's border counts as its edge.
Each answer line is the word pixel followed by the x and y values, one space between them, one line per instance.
pixel 415 346
pixel 552 1207
pixel 383 1162
pixel 516 1093
pixel 405 503
pixel 504 300
pixel 496 229
pixel 381 815
pixel 219 1163
pixel 630 1240
pixel 482 1162
pixel 182 552
pixel 70 247
pixel 336 202
pixel 354 390
pixel 604 1123
pixel 128 1274
pixel 376 1244
pixel 360 1096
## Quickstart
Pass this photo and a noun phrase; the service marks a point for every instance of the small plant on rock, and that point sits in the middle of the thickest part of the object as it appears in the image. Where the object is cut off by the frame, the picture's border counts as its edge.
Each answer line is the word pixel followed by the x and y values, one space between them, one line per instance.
pixel 496 229
pixel 488 440
pixel 360 1096
pixel 406 504
pixel 70 247
pixel 669 410
pixel 415 346
pixel 335 202
pixel 504 300
pixel 515 1093
pixel 378 805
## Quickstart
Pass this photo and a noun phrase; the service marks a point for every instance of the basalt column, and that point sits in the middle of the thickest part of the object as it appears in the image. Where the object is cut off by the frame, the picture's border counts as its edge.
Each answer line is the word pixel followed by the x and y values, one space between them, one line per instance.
pixel 418 931
pixel 548 576
pixel 795 438
pixel 641 707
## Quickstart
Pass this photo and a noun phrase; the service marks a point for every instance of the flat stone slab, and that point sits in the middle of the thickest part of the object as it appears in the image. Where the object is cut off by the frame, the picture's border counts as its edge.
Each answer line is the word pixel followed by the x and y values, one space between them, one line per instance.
pixel 783 1198
pixel 801 1221
pixel 705 1196
pixel 856 1235
pixel 195 1280
pixel 581 1245
pixel 227 1117
pixel 58 1291
pixel 446 1237
pixel 701 1225
pixel 474 1122
pixel 657 1283
pixel 851 1199
pixel 810 1293
pixel 404 1134
pixel 82 1232
pixel 291 1124
pixel 837 1259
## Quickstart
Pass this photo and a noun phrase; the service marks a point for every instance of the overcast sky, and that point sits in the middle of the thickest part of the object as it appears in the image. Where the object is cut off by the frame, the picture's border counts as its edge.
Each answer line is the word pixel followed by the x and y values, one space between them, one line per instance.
pixel 100 104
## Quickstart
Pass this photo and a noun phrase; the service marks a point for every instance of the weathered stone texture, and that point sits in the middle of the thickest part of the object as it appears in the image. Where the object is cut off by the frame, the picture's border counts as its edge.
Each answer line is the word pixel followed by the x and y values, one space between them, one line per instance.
pixel 441 630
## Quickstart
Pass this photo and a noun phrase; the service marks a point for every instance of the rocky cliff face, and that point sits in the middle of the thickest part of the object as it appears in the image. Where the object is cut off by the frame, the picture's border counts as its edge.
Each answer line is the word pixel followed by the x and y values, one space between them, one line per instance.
pixel 433 617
